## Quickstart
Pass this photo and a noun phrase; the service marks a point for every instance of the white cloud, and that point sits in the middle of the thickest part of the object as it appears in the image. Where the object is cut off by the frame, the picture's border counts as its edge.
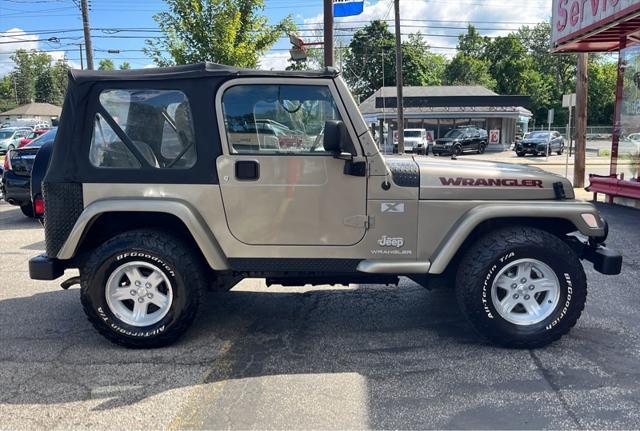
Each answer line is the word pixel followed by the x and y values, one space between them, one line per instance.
pixel 10 41
pixel 21 40
pixel 274 61
pixel 443 13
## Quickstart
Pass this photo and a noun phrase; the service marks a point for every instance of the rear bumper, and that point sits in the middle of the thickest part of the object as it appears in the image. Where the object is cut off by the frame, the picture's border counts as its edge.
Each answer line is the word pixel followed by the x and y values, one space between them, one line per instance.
pixel 43 267
pixel 17 188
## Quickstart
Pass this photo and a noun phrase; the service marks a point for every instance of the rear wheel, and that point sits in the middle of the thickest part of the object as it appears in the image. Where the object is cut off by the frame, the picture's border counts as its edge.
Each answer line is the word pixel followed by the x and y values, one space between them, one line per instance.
pixel 521 287
pixel 561 150
pixel 27 210
pixel 142 288
pixel 481 148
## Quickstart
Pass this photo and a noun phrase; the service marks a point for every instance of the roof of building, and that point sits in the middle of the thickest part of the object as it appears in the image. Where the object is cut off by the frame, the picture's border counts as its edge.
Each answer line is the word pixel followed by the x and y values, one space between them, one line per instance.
pixel 368 107
pixel 35 109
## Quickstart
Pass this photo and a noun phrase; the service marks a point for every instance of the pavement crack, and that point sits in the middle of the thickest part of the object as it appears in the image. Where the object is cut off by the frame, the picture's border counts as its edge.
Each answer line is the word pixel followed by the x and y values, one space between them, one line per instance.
pixel 546 375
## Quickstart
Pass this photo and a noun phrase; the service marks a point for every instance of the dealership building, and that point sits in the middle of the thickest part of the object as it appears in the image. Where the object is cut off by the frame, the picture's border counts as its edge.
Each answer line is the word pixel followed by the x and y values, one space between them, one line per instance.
pixel 439 109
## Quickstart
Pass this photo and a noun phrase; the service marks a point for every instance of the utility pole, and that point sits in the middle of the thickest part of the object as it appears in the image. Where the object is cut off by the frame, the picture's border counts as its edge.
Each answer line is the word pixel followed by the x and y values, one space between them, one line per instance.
pixel 81 59
pixel 399 80
pixel 328 33
pixel 84 7
pixel 582 86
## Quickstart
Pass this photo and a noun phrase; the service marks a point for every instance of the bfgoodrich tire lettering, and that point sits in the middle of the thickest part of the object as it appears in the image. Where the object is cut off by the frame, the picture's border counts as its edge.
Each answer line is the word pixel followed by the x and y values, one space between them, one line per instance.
pixel 497 250
pixel 178 267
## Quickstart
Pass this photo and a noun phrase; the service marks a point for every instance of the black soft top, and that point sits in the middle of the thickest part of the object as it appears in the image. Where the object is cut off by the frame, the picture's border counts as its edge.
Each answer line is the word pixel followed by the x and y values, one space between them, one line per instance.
pixel 70 158
pixel 199 70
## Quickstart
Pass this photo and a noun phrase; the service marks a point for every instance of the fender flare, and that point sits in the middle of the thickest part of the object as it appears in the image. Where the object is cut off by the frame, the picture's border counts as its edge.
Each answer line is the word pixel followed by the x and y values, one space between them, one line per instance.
pixel 201 233
pixel 570 210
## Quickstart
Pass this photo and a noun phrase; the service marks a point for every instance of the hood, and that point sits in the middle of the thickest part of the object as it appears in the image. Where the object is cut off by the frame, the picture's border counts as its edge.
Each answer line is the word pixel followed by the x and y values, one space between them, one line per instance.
pixel 446 140
pixel 468 179
pixel 534 141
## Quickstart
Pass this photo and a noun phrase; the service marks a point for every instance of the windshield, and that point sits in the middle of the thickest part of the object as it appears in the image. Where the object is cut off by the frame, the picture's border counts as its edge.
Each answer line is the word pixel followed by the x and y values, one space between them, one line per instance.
pixel 6 134
pixel 43 139
pixel 538 135
pixel 412 133
pixel 454 134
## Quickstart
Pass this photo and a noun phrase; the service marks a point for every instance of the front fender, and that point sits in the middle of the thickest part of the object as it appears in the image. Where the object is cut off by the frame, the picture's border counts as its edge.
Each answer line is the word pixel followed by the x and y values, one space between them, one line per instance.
pixel 568 210
pixel 190 217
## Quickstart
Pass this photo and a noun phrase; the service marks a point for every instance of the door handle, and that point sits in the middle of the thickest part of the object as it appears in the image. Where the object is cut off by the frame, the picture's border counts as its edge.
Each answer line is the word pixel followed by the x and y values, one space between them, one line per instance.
pixel 247 170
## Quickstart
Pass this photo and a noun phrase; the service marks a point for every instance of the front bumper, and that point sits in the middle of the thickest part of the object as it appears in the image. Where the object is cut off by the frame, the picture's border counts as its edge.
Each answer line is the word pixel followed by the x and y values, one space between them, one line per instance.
pixel 605 260
pixel 42 267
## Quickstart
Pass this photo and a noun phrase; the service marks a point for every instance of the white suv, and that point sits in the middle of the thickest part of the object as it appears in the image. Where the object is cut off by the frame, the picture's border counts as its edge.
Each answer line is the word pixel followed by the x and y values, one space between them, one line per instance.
pixel 415 141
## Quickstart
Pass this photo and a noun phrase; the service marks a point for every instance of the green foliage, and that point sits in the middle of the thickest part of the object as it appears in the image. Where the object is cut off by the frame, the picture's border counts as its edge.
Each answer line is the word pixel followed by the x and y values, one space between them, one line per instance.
pixel 106 64
pixel 125 65
pixel 602 97
pixel 229 32
pixel 7 94
pixel 29 65
pixel 467 70
pixel 371 56
pixel 45 90
pixel 60 75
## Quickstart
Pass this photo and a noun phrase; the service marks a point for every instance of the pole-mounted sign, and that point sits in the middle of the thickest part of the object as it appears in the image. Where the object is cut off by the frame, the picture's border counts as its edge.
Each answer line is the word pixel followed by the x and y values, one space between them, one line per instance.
pixel 347 7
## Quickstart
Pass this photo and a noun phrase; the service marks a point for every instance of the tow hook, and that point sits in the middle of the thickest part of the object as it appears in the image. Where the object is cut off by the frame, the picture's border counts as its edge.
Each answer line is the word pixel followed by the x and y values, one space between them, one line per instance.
pixel 70 282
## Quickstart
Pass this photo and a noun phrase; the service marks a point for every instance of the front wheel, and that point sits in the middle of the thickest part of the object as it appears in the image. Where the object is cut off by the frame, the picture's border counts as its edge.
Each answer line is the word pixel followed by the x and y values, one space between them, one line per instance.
pixel 561 150
pixel 521 287
pixel 142 288
pixel 520 153
pixel 457 150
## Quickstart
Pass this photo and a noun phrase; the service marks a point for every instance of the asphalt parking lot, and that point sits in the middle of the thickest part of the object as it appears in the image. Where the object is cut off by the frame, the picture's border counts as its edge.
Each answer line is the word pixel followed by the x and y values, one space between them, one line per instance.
pixel 329 358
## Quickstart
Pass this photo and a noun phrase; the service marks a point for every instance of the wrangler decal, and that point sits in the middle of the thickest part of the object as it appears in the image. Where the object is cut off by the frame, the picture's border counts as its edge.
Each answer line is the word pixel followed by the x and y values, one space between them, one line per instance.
pixel 490 182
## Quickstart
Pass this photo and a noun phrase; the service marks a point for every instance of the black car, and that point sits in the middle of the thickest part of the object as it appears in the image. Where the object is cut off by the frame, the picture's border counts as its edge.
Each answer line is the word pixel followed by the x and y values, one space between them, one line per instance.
pixel 460 140
pixel 16 180
pixel 540 143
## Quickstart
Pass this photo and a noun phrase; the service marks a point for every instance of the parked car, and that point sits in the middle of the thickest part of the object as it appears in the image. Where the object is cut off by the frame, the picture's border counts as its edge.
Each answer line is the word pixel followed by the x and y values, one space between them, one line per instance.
pixel 415 141
pixel 540 143
pixel 460 140
pixel 31 136
pixel 10 137
pixel 151 231
pixel 16 180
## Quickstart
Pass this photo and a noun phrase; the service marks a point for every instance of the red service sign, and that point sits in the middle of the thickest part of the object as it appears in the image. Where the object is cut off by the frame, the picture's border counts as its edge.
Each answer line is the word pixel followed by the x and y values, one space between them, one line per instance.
pixel 573 20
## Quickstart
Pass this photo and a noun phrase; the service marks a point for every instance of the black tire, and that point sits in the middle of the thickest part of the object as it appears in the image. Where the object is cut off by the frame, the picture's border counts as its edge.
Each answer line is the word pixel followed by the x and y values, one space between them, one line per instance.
pixel 561 150
pixel 481 148
pixel 520 153
pixel 457 150
pixel 169 254
pixel 495 251
pixel 27 210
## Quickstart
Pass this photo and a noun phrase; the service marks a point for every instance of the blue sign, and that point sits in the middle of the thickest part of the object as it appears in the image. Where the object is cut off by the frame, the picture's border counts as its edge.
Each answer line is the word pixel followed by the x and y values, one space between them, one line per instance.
pixel 347 7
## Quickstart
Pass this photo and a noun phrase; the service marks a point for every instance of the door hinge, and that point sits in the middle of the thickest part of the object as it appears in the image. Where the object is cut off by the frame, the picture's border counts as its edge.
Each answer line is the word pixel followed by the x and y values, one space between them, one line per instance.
pixel 359 221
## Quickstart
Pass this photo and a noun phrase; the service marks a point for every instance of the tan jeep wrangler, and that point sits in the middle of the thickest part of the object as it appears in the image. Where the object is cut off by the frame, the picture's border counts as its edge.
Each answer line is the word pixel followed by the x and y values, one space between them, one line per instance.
pixel 164 183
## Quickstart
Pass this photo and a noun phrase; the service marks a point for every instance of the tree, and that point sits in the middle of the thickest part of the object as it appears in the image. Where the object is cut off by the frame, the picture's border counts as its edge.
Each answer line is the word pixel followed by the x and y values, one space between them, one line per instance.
pixel 106 64
pixel 419 65
pixel 230 32
pixel 60 77
pixel 602 91
pixel 7 94
pixel 125 65
pixel 28 66
pixel 45 90
pixel 371 56
pixel 470 66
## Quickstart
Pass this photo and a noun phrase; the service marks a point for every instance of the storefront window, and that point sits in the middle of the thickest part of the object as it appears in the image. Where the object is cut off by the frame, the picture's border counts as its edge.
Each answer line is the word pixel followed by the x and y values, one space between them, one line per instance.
pixel 629 145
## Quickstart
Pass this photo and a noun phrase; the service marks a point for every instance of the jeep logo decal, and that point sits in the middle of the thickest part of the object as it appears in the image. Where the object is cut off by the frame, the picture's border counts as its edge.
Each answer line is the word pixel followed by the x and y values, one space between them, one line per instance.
pixel 386 241
pixel 490 182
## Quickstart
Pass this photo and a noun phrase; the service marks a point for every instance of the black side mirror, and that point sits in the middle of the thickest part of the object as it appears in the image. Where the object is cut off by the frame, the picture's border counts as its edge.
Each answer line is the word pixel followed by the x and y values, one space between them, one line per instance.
pixel 337 140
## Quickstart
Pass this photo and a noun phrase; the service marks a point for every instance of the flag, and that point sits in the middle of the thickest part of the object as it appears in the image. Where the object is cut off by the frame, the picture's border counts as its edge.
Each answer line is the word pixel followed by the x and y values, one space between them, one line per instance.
pixel 347 7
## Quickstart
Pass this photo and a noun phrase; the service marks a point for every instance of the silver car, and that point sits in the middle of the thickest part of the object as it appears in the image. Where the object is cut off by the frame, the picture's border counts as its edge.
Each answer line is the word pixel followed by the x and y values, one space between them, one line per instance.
pixel 10 137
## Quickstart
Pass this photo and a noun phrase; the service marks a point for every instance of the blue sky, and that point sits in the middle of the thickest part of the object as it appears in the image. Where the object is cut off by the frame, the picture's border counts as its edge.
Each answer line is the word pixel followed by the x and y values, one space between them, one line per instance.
pixel 441 20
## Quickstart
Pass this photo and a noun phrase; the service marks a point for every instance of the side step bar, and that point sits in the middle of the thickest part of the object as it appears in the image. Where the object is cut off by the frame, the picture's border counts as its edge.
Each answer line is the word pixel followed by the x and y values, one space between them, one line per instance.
pixel 391 267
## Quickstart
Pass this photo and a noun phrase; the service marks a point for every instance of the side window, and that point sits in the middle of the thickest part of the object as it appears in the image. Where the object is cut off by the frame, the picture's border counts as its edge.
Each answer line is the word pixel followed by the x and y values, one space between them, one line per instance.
pixel 263 119
pixel 157 124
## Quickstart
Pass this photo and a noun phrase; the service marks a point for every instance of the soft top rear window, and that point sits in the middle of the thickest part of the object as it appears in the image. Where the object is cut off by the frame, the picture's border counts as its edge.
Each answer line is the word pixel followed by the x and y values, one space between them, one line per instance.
pixel 143 127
